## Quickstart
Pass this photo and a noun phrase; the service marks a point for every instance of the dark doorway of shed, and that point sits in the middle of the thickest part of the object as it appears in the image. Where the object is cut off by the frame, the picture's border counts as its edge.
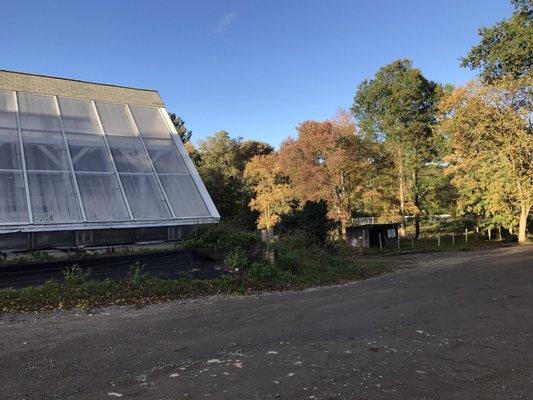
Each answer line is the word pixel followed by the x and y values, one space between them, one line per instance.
pixel 373 236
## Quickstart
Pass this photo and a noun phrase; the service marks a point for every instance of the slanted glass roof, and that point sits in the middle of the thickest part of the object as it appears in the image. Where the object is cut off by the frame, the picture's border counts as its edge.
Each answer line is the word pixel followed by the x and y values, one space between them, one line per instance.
pixel 71 164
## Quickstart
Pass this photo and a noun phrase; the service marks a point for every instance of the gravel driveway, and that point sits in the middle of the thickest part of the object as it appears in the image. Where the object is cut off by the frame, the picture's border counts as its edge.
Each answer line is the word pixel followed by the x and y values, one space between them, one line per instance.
pixel 459 326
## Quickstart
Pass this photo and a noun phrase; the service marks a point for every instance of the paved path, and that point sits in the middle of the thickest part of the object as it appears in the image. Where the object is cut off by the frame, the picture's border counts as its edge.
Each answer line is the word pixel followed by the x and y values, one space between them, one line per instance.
pixel 459 328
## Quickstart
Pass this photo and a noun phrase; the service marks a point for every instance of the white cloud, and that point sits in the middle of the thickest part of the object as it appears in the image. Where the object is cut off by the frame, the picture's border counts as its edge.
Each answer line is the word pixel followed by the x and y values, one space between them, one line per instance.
pixel 225 22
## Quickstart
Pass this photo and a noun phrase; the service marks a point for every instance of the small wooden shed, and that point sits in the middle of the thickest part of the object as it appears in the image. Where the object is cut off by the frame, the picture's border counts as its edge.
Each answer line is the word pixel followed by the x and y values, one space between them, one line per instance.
pixel 370 235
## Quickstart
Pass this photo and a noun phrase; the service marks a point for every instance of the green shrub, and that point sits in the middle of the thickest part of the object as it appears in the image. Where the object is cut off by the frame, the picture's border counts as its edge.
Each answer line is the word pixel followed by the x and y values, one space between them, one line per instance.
pixel 298 253
pixel 311 218
pixel 76 276
pixel 220 236
pixel 237 260
pixel 295 240
pixel 289 261
pixel 193 243
pixel 229 284
pixel 41 256
pixel 138 276
pixel 241 239
pixel 264 275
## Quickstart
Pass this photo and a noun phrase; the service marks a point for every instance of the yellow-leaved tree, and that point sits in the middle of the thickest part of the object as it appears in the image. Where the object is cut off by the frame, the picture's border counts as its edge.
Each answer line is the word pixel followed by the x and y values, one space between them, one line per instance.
pixel 489 132
pixel 272 193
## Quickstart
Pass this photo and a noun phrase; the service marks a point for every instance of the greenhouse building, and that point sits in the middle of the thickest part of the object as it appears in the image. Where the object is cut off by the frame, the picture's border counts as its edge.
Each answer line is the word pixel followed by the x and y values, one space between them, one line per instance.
pixel 88 164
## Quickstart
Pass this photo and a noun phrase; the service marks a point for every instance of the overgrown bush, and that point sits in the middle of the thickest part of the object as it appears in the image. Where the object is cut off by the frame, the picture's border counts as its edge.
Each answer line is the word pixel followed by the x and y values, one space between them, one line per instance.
pixel 137 275
pixel 294 240
pixel 298 252
pixel 76 276
pixel 311 218
pixel 221 236
pixel 263 275
pixel 41 256
pixel 310 263
pixel 237 260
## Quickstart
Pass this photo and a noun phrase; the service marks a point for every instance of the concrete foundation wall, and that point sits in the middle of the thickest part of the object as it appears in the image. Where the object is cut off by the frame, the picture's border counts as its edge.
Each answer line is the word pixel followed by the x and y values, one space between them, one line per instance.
pixel 20 241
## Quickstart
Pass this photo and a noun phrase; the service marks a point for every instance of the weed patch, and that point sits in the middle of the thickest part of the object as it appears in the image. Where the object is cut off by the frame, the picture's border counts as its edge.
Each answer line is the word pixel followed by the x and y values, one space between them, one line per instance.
pixel 301 262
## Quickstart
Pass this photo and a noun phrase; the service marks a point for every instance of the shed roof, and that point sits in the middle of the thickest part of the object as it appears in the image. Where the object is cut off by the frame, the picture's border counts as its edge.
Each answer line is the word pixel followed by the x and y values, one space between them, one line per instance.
pixel 376 225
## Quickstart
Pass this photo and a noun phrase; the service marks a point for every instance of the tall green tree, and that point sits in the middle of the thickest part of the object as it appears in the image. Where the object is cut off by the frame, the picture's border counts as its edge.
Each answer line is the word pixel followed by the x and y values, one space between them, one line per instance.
pixel 397 109
pixel 489 130
pixel 221 161
pixel 506 48
pixel 248 149
pixel 311 218
pixel 178 122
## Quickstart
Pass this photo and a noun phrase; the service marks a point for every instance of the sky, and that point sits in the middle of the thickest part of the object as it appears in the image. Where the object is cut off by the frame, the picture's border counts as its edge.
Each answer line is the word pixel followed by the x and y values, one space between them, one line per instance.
pixel 253 68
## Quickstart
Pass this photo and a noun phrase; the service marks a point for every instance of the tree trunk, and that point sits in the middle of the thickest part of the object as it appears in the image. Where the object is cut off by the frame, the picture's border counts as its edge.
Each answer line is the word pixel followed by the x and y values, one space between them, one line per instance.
pixel 401 230
pixel 344 224
pixel 417 203
pixel 524 212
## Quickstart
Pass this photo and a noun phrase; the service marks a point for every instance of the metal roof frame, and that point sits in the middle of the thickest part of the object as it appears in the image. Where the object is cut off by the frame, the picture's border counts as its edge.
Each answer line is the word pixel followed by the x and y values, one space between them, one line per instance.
pixel 35 226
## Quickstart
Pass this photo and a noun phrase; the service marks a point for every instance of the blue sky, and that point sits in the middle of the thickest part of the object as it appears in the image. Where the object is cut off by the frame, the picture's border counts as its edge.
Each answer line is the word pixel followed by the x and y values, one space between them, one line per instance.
pixel 253 68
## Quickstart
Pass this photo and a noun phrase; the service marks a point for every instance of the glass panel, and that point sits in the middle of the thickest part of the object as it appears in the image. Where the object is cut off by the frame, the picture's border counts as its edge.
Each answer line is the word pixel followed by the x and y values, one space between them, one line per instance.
pixel 38 112
pixel 115 119
pixel 9 150
pixel 8 118
pixel 12 197
pixel 165 156
pixel 183 196
pixel 53 198
pixel 44 151
pixel 102 198
pixel 150 122
pixel 89 153
pixel 78 116
pixel 129 154
pixel 145 197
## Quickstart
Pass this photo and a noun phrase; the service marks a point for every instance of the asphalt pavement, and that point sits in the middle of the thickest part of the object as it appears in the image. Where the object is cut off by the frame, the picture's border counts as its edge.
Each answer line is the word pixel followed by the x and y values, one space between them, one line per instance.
pixel 458 326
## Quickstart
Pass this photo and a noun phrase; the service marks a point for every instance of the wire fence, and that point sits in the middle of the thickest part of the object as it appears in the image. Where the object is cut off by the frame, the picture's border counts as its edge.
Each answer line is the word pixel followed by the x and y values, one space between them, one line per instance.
pixel 468 239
